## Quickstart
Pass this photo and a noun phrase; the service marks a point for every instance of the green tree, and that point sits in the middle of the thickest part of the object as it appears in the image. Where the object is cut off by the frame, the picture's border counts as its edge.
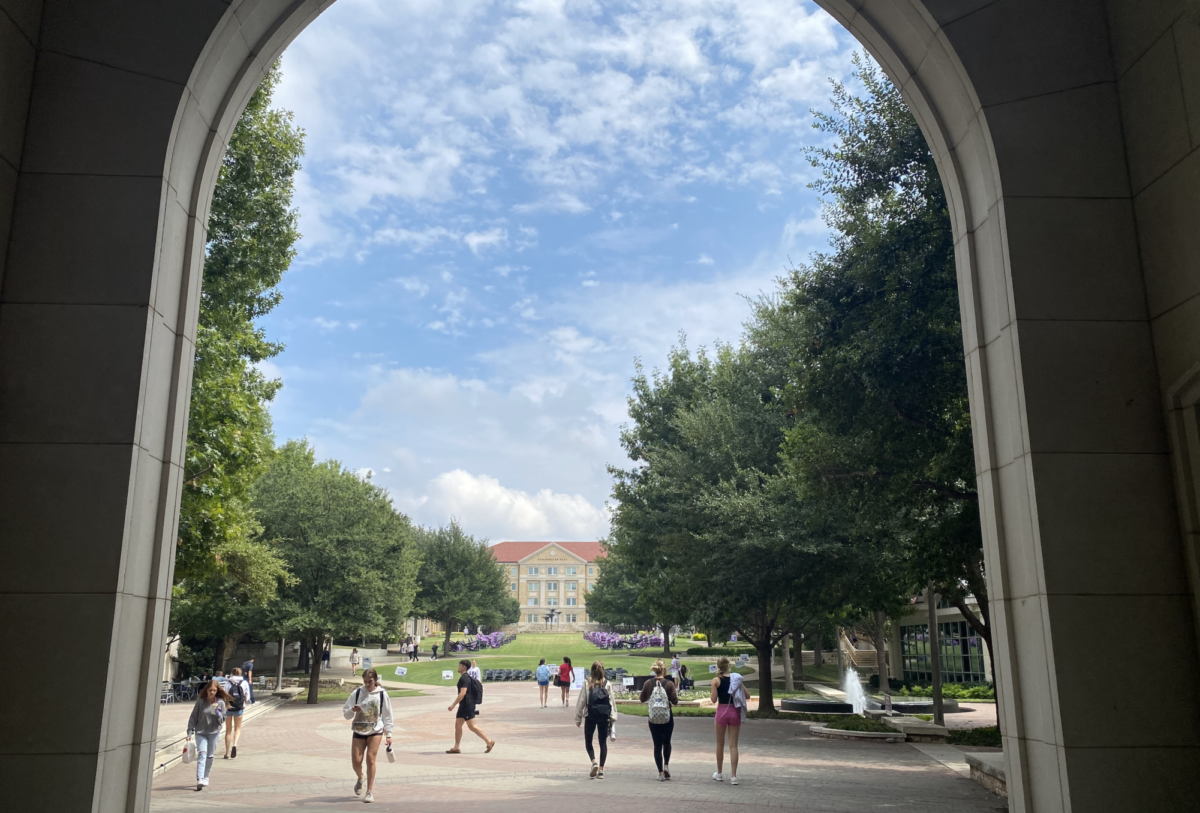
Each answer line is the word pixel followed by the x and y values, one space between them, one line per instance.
pixel 224 568
pixel 614 599
pixel 353 556
pixel 871 335
pixel 461 581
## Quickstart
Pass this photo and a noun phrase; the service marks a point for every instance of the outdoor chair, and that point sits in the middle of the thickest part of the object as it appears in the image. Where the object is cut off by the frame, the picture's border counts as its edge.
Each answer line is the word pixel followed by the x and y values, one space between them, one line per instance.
pixel 166 693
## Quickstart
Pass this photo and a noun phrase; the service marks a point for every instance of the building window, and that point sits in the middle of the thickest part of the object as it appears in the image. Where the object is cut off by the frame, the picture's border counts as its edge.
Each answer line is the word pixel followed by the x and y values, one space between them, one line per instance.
pixel 572 601
pixel 590 586
pixel 961 650
pixel 551 585
pixel 513 587
pixel 552 571
pixel 551 602
pixel 532 587
pixel 532 618
pixel 531 571
pixel 533 602
pixel 591 570
pixel 570 619
pixel 571 571
pixel 512 571
pixel 571 587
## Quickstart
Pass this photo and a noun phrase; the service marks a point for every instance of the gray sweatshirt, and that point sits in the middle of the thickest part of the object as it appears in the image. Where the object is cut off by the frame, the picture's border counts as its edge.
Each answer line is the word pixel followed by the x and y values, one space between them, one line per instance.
pixel 207 718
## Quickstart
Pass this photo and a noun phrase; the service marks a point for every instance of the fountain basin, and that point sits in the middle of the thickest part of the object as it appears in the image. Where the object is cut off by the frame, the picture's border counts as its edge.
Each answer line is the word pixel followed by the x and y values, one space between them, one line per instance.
pixel 816 706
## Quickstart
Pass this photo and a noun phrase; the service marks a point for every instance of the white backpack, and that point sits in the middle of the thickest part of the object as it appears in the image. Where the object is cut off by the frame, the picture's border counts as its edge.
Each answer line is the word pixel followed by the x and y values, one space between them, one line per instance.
pixel 660 705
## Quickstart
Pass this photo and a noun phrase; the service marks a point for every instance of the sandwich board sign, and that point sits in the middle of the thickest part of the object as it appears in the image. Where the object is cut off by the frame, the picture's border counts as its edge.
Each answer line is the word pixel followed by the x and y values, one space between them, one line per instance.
pixel 712 667
pixel 447 674
pixel 400 670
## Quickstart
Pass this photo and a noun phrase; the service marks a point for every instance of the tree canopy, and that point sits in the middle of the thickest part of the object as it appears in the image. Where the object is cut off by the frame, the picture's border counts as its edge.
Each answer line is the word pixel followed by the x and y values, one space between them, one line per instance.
pixel 353 556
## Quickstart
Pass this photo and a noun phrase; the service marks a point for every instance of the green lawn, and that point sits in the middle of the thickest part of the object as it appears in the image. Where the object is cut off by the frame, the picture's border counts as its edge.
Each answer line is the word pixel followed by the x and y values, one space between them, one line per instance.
pixel 524 653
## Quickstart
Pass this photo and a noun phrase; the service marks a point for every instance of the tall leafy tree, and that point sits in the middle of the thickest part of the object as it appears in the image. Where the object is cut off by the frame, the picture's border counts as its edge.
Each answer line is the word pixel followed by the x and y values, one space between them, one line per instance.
pixel 461 582
pixel 224 567
pixel 353 556
pixel 871 335
pixel 615 598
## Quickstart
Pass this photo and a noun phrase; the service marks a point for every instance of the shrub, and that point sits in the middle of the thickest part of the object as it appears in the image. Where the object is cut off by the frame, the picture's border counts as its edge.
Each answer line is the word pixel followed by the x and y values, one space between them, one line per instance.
pixel 856 723
pixel 895 684
pixel 718 650
pixel 952 691
pixel 988 736
pixel 699 636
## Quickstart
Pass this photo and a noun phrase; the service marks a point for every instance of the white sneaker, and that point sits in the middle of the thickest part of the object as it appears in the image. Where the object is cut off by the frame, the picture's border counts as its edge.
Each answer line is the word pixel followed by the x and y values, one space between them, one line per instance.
pixel 369 797
pixel 358 786
pixel 204 781
pixel 733 781
pixel 717 776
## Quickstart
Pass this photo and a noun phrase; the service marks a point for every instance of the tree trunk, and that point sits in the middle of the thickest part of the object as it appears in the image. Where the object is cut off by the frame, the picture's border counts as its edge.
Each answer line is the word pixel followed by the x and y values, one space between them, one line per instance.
pixel 935 655
pixel 667 641
pixel 219 657
pixel 789 683
pixel 229 646
pixel 304 656
pixel 314 670
pixel 798 659
pixel 818 643
pixel 766 692
pixel 840 657
pixel 881 660
pixel 446 642
pixel 279 667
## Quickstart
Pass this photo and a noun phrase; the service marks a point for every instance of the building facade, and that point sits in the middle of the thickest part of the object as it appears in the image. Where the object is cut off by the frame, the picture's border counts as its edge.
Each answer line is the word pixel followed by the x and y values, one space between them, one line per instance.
pixel 551 582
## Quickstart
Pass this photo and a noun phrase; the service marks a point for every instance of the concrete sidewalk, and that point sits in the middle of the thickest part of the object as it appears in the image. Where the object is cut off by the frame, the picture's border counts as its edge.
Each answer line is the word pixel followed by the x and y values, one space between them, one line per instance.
pixel 299 756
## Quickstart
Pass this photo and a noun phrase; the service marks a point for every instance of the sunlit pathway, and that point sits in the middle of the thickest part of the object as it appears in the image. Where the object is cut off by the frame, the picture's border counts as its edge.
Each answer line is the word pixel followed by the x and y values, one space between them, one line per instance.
pixel 298 757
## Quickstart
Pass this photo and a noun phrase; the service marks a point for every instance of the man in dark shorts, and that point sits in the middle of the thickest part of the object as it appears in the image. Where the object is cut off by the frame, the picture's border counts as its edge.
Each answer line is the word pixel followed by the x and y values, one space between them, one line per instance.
pixel 466 710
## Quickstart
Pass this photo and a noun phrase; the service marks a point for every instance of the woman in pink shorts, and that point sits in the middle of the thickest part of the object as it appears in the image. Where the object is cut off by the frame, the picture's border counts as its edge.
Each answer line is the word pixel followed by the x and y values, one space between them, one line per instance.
pixel 729 717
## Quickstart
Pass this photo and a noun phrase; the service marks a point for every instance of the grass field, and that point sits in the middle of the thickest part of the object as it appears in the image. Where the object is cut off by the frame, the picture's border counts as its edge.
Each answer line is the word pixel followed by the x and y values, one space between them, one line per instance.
pixel 524 653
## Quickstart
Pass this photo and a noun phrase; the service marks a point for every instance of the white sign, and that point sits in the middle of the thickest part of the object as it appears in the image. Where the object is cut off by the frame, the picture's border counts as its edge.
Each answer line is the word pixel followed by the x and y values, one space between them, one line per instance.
pixel 578 676
pixel 366 663
pixel 712 667
pixel 447 674
pixel 400 670
pixel 627 681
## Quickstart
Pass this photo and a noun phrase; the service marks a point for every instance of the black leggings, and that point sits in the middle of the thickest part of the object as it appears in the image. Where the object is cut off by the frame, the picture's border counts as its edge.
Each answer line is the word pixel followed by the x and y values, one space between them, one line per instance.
pixel 589 727
pixel 661 734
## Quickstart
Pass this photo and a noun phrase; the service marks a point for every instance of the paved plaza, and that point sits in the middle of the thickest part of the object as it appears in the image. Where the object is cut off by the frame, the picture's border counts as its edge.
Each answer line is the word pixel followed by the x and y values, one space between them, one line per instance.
pixel 297 757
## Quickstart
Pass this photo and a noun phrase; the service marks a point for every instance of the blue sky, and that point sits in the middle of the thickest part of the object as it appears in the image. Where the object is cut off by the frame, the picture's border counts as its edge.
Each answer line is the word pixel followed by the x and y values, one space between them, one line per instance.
pixel 504 204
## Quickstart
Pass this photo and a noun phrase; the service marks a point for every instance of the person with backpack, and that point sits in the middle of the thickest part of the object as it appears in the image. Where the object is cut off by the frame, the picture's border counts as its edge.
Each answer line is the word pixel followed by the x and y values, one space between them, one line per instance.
pixel 371 710
pixel 595 711
pixel 239 693
pixel 205 722
pixel 659 694
pixel 470 695
pixel 543 682
pixel 729 693
pixel 248 674
pixel 563 680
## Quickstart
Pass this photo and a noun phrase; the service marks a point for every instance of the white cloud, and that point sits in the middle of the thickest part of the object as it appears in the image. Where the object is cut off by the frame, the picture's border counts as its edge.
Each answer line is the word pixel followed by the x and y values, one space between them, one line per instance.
pixel 412 285
pixel 480 501
pixel 704 259
pixel 480 240
pixel 326 325
pixel 418 240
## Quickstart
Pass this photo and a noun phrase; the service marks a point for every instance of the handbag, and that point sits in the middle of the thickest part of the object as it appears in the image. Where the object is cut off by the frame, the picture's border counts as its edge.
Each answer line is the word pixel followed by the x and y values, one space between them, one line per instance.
pixel 188 752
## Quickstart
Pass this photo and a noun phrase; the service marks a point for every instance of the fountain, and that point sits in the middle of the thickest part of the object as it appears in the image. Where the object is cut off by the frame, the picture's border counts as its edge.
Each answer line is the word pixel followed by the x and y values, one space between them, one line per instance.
pixel 852 687
pixel 851 699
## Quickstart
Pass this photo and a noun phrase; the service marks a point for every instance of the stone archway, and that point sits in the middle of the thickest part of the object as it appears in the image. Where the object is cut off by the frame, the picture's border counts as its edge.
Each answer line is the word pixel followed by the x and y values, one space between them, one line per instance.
pixel 1067 136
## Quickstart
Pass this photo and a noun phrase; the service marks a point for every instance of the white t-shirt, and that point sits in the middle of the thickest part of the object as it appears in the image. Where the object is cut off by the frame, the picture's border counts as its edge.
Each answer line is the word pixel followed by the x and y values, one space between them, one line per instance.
pixel 475 673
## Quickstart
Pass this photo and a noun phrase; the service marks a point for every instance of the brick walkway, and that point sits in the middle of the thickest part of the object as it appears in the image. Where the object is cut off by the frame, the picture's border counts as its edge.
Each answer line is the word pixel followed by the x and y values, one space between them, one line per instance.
pixel 298 756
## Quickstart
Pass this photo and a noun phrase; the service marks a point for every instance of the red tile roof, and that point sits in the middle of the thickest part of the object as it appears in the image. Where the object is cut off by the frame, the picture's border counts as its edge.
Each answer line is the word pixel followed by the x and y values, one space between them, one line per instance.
pixel 516 551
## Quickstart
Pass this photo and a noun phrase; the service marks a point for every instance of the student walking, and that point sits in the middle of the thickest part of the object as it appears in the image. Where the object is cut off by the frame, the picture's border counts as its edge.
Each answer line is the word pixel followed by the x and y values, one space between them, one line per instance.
pixel 659 694
pixel 433 649
pixel 469 691
pixel 729 693
pixel 248 674
pixel 239 694
pixel 474 671
pixel 543 682
pixel 595 712
pixel 208 715
pixel 371 710
pixel 325 656
pixel 354 661
pixel 564 681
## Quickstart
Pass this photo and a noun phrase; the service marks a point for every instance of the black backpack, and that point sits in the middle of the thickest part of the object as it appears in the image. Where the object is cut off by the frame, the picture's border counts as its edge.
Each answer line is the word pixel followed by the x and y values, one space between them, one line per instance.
pixel 476 691
pixel 599 703
pixel 237 697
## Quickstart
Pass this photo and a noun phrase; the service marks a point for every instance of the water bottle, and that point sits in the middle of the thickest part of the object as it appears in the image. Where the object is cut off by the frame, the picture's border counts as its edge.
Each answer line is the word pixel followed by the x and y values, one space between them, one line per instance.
pixel 391 755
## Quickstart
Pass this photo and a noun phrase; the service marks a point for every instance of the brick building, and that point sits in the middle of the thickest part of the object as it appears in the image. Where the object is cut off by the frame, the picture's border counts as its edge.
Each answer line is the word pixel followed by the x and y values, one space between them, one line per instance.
pixel 551 581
